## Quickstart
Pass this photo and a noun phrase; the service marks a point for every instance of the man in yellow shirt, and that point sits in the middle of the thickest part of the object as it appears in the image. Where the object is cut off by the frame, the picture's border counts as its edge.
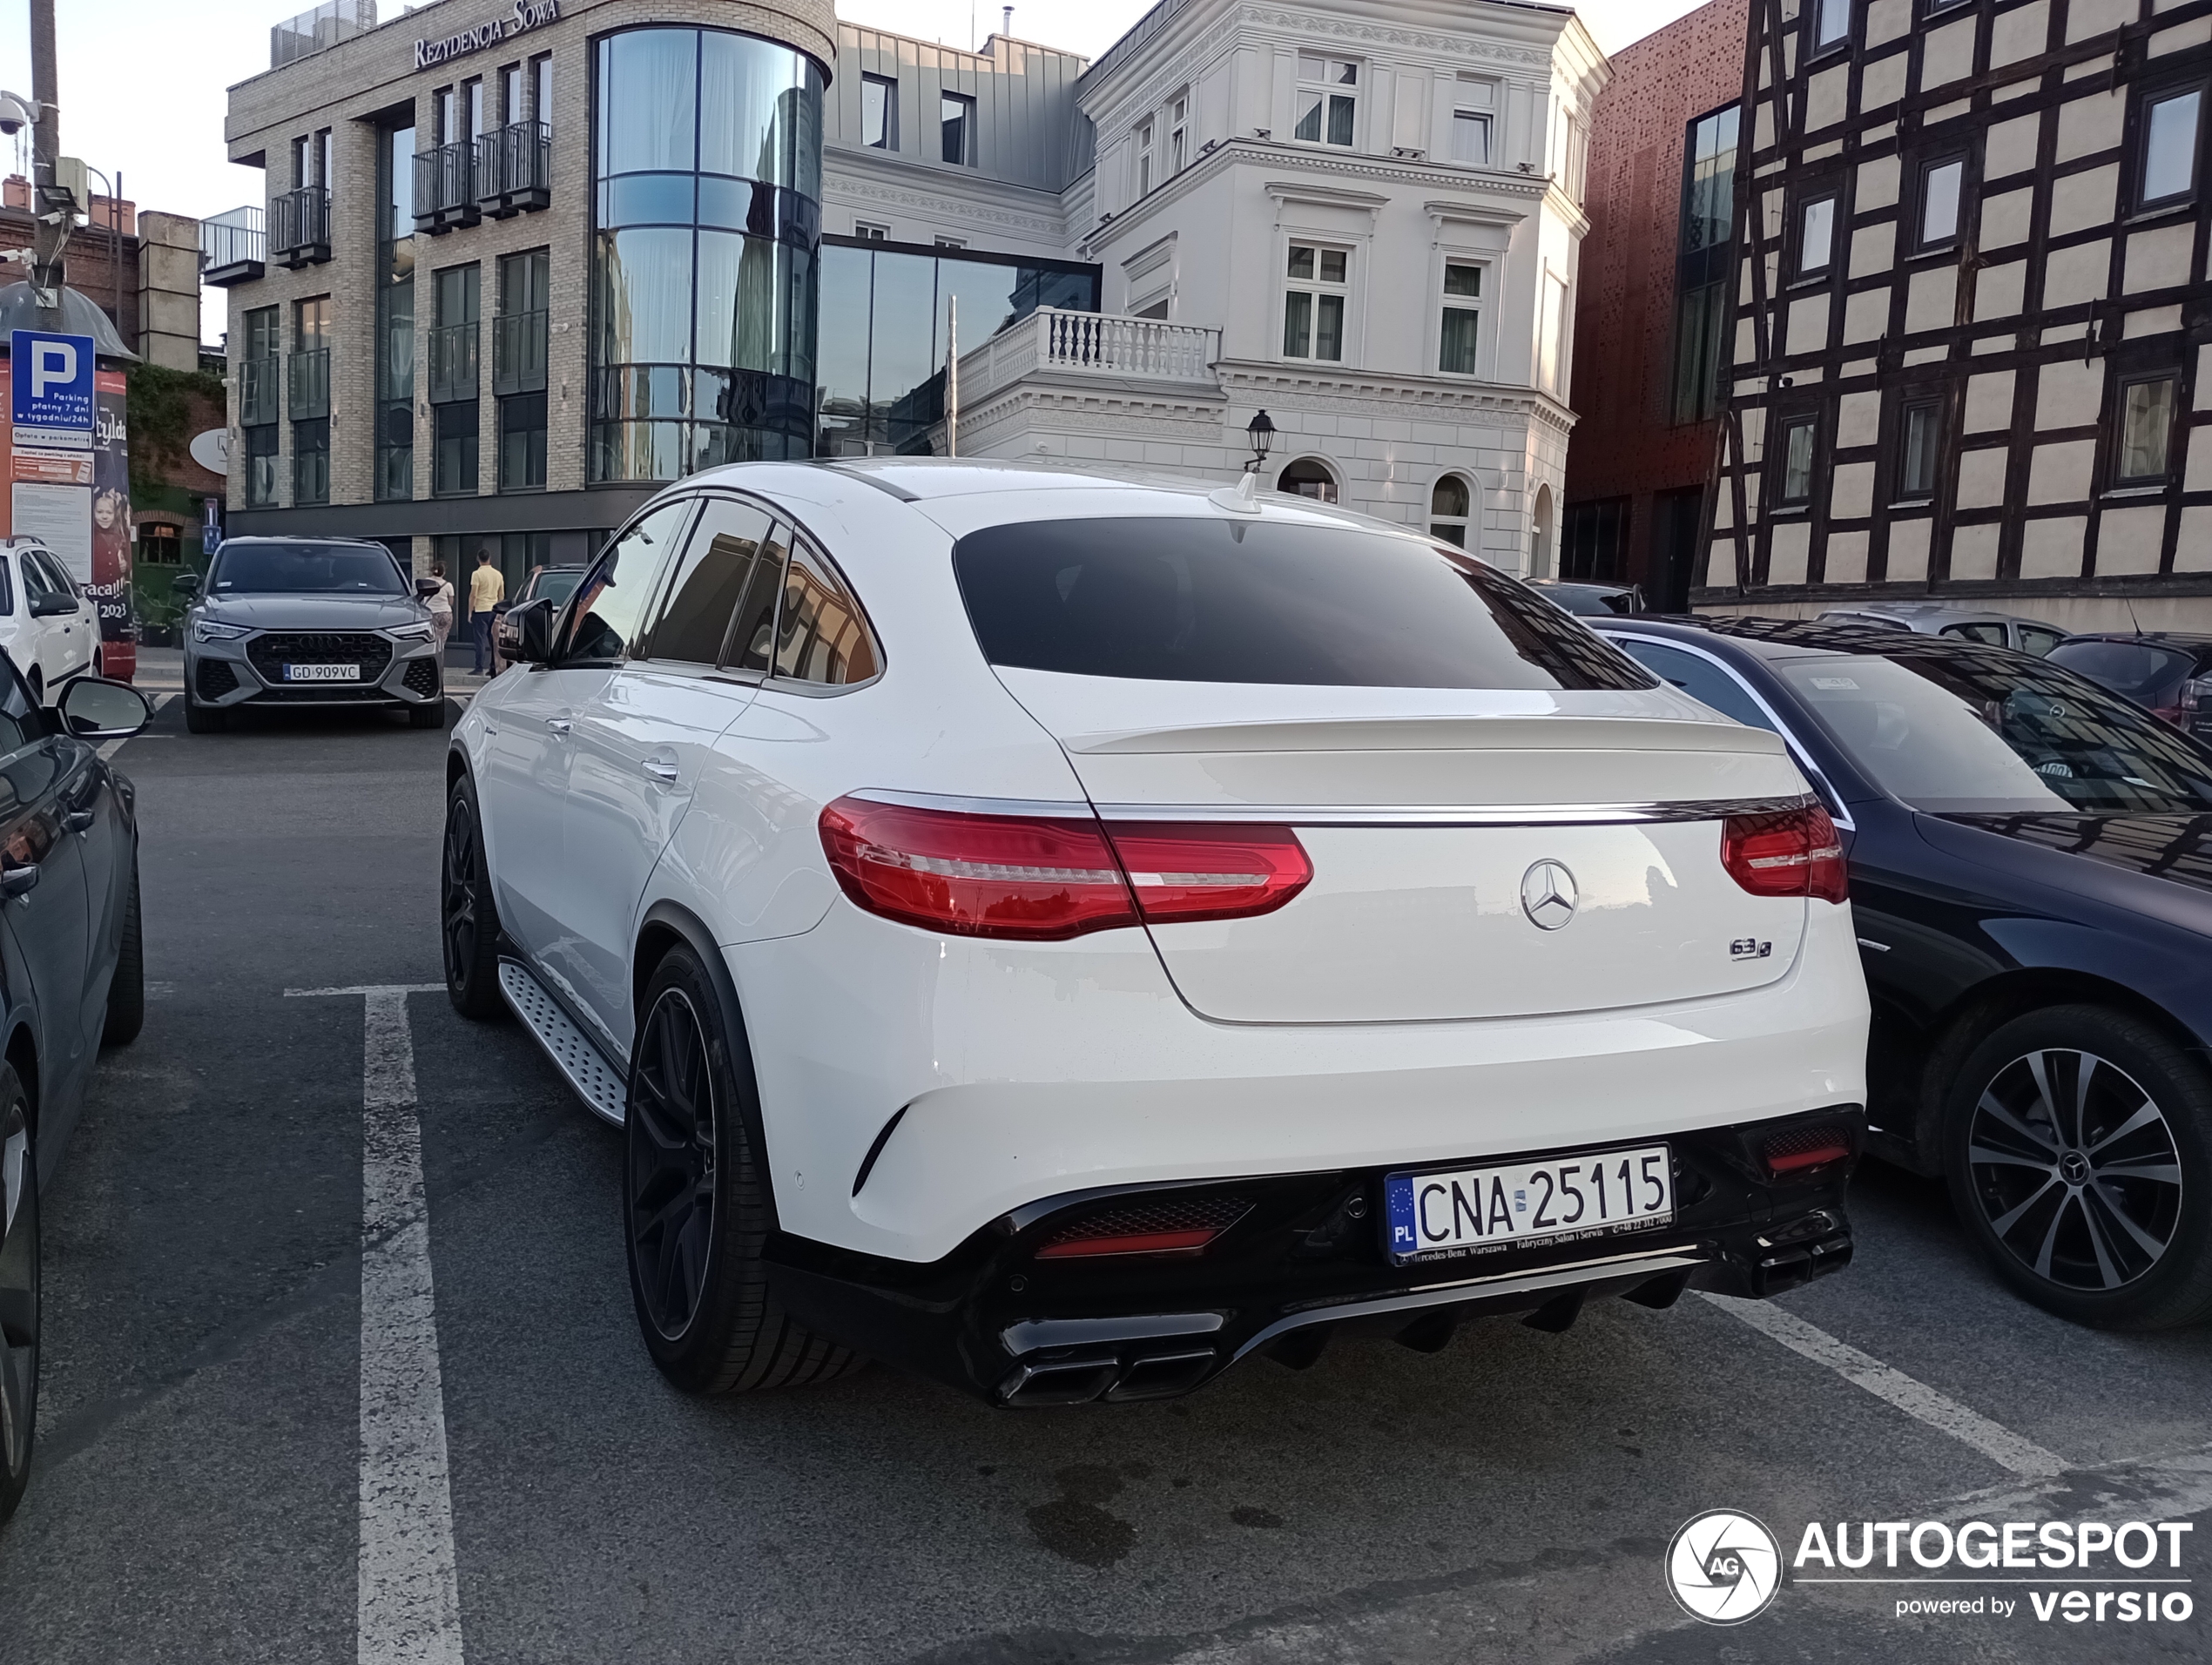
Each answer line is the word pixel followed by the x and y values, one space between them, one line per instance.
pixel 487 589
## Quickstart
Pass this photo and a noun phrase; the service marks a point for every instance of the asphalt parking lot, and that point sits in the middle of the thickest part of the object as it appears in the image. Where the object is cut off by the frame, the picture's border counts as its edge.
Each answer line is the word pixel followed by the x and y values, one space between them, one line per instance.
pixel 204 1490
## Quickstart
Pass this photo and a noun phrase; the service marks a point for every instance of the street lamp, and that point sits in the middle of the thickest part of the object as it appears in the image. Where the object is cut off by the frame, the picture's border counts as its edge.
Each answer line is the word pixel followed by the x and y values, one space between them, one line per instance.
pixel 1261 433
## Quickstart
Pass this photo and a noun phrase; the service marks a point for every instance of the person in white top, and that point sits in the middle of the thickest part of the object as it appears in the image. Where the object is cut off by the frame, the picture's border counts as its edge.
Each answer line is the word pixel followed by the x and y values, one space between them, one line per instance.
pixel 441 606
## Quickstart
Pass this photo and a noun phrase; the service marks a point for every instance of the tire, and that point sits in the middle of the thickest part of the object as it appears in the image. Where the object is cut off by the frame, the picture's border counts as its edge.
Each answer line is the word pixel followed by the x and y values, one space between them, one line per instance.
pixel 126 992
pixel 203 720
pixel 2078 1144
pixel 432 716
pixel 695 1204
pixel 468 917
pixel 20 1290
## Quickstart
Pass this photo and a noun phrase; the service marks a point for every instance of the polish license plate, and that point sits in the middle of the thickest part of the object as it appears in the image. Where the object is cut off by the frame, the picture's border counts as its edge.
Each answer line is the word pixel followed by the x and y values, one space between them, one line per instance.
pixel 323 673
pixel 1459 1211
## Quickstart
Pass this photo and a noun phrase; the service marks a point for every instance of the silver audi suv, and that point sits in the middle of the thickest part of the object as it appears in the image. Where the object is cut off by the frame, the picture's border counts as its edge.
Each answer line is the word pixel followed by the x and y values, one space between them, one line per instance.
pixel 320 622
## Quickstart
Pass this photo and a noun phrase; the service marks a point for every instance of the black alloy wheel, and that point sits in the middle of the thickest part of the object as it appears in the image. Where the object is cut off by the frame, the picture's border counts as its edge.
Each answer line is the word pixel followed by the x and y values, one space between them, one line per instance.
pixel 672 1164
pixel 468 918
pixel 695 1206
pixel 18 1292
pixel 2080 1161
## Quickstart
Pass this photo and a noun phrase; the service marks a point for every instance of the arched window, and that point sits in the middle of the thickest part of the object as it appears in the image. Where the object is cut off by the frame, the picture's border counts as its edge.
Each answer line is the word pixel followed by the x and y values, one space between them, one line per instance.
pixel 1448 507
pixel 1308 477
pixel 1540 538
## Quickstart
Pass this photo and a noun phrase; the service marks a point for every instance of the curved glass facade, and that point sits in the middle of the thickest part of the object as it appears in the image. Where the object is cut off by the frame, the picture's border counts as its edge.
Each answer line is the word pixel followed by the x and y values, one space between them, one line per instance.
pixel 707 166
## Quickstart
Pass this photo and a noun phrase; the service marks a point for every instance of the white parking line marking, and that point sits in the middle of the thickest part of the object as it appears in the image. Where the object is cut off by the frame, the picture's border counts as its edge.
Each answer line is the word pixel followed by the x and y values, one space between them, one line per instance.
pixel 408 1601
pixel 2001 1445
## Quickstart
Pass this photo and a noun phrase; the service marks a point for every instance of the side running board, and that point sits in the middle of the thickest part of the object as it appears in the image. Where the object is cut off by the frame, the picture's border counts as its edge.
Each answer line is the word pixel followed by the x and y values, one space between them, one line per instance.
pixel 595 1081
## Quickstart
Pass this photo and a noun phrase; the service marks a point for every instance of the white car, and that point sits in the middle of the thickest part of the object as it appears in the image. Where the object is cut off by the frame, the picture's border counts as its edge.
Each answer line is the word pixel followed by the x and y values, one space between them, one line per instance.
pixel 47 627
pixel 1063 934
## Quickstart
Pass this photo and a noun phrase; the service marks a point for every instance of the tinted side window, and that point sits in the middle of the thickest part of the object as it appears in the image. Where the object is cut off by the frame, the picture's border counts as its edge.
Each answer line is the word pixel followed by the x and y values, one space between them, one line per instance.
pixel 2038 641
pixel 717 563
pixel 1223 600
pixel 821 635
pixel 18 723
pixel 1700 679
pixel 609 608
pixel 754 634
pixel 37 583
pixel 1992 634
pixel 7 590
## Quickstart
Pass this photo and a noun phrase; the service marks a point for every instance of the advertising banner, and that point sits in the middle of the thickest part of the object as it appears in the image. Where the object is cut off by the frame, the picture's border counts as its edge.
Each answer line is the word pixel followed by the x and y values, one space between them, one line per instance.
pixel 110 584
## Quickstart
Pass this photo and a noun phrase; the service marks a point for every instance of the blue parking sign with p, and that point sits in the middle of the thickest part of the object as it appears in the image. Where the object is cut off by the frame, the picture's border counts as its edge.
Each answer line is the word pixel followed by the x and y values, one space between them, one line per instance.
pixel 52 381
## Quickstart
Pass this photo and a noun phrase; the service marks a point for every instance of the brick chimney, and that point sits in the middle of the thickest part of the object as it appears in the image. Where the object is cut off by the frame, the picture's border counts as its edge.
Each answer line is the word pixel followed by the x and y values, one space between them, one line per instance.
pixel 15 192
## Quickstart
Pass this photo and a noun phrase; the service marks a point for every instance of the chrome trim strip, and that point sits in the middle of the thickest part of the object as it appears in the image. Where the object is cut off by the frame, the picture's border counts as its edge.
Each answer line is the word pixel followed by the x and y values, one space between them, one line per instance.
pixel 1076 809
pixel 1581 1271
pixel 1033 1333
pixel 1712 809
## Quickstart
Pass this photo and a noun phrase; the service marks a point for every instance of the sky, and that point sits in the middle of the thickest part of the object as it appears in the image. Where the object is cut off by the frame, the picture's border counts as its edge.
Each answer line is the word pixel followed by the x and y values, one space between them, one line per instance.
pixel 143 81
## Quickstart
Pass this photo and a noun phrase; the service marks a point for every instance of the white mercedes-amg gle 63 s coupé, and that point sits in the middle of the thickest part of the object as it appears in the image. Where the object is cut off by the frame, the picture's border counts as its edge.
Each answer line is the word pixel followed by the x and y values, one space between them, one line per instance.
pixel 1061 933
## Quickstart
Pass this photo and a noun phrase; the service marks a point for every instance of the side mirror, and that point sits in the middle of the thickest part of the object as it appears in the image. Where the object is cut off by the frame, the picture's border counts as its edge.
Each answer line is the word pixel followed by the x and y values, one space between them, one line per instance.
pixel 525 633
pixel 186 584
pixel 425 588
pixel 96 709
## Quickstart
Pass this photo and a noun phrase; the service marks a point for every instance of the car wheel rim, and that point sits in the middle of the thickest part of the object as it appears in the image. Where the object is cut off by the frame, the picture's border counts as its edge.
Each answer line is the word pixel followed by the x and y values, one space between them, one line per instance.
pixel 671 1163
pixel 19 1291
pixel 460 895
pixel 2075 1168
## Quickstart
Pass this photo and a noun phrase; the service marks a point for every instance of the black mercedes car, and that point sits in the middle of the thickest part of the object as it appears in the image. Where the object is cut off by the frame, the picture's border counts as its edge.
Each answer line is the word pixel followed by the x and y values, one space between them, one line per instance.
pixel 71 979
pixel 2030 876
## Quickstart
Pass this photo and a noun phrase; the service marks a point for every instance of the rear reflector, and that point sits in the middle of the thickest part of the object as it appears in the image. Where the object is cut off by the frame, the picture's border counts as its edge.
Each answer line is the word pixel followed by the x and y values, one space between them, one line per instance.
pixel 1174 1226
pixel 1049 878
pixel 1787 853
pixel 1800 1148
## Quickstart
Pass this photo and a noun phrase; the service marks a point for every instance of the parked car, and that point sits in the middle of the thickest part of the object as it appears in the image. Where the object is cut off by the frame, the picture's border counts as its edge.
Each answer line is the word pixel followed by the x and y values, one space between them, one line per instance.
pixel 1589 600
pixel 2032 877
pixel 2168 673
pixel 1065 934
pixel 553 584
pixel 74 982
pixel 314 621
pixel 1939 618
pixel 48 628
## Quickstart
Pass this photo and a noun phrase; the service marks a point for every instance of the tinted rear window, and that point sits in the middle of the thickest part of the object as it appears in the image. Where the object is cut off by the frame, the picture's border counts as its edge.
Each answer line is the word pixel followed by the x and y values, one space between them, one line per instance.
pixel 1217 600
pixel 2147 675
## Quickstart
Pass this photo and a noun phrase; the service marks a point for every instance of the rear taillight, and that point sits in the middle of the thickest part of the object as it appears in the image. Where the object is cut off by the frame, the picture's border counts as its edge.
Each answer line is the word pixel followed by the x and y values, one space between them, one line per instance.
pixel 1047 878
pixel 1801 1149
pixel 1168 1226
pixel 1786 853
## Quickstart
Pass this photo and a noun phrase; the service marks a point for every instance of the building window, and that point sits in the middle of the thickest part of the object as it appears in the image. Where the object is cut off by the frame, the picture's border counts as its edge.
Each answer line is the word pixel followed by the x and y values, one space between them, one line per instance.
pixel 311 461
pixel 394 478
pixel 261 466
pixel 1313 303
pixel 1593 542
pixel 1474 104
pixel 1704 262
pixel 308 400
pixel 1794 447
pixel 879 112
pixel 518 369
pixel 160 544
pixel 261 400
pixel 868 231
pixel 956 128
pixel 1179 124
pixel 1461 325
pixel 1449 504
pixel 1816 236
pixel 1831 24
pixel 1144 158
pixel 2172 127
pixel 454 381
pixel 453 444
pixel 1551 365
pixel 1326 101
pixel 1308 477
pixel 1918 436
pixel 521 442
pixel 948 242
pixel 1575 159
pixel 2146 429
pixel 1940 185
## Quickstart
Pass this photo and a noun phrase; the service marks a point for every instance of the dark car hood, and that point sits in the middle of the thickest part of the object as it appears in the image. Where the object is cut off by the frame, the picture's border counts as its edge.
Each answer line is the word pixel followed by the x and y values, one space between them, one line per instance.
pixel 2156 863
pixel 266 612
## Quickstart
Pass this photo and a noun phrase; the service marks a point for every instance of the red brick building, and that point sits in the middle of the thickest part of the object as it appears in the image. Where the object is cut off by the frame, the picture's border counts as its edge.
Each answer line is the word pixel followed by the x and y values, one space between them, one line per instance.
pixel 1655 271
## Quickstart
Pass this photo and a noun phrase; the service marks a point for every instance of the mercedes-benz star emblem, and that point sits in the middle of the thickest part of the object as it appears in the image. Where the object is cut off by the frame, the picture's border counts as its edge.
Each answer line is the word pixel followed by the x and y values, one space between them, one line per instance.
pixel 1548 895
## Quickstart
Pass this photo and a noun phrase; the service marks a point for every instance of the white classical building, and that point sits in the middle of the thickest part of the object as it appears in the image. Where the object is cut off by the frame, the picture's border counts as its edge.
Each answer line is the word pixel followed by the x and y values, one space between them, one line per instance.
pixel 1362 217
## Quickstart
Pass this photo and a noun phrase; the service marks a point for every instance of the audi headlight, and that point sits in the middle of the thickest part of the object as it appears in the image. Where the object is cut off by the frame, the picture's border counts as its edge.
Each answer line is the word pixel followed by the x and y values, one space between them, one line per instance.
pixel 206 629
pixel 412 632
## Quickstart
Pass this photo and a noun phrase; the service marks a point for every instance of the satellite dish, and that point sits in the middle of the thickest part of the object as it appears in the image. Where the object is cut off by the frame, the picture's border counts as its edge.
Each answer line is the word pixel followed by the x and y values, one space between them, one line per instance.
pixel 212 450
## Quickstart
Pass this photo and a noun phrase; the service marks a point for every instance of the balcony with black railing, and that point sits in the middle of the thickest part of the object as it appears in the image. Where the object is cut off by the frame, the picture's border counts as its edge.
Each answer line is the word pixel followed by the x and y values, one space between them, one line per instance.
pixel 445 187
pixel 518 353
pixel 233 247
pixel 259 391
pixel 308 385
pixel 299 227
pixel 452 363
pixel 515 169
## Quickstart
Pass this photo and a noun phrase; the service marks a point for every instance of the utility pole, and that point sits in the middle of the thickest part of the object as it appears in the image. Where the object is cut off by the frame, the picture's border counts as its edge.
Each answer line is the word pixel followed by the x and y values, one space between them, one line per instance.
pixel 49 235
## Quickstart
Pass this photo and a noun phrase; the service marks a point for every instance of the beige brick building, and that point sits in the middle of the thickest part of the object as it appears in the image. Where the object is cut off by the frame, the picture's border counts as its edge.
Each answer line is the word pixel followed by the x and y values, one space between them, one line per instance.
pixel 1971 311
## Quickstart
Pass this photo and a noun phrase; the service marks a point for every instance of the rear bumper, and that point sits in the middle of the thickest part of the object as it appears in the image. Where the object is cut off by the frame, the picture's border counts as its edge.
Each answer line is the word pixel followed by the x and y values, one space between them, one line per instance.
pixel 1305 1263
